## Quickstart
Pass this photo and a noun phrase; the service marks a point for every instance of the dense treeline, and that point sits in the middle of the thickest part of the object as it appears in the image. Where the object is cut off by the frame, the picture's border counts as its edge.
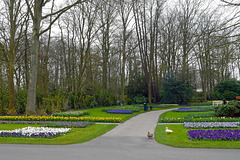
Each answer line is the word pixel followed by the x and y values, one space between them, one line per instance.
pixel 99 53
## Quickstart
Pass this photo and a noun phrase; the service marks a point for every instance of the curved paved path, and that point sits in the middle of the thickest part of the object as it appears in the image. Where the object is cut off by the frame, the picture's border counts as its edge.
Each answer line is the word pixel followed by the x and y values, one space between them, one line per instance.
pixel 127 141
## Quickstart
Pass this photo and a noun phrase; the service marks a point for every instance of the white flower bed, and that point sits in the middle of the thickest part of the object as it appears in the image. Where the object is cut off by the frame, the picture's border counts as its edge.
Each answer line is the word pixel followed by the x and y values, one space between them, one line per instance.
pixel 211 124
pixel 38 132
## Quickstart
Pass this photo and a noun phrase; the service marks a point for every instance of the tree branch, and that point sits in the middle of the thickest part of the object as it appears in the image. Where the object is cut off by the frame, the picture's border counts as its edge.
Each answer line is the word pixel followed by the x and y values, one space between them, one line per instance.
pixel 59 13
pixel 231 3
pixel 29 9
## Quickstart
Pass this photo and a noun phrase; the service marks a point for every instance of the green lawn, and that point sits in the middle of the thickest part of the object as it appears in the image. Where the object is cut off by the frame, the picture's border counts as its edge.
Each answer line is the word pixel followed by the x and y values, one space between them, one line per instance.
pixel 97 112
pixel 179 136
pixel 179 139
pixel 171 114
pixel 78 135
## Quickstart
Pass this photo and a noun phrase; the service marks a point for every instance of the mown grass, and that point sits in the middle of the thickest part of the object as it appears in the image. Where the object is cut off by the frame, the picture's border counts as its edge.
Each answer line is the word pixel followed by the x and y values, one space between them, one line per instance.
pixel 97 112
pixel 179 138
pixel 79 135
pixel 171 114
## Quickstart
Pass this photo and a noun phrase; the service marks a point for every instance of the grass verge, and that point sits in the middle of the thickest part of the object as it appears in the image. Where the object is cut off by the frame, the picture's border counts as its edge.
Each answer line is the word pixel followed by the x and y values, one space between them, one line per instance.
pixel 179 139
pixel 79 135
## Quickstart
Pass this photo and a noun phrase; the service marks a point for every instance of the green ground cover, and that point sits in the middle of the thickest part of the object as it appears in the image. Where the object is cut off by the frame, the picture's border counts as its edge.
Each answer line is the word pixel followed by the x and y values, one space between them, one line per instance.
pixel 179 138
pixel 78 135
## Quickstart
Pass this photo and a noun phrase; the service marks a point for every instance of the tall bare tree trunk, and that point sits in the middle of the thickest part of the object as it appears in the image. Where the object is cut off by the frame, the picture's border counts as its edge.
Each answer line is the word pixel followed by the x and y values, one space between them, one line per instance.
pixel 37 18
pixel 12 110
pixel 32 84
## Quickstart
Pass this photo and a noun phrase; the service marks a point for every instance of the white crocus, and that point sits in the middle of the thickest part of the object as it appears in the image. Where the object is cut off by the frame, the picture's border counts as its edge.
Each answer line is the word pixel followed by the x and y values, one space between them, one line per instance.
pixel 28 131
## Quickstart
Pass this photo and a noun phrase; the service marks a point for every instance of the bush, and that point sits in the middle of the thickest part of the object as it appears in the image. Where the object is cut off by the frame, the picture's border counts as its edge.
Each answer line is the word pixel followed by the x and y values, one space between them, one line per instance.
pixel 228 90
pixel 129 101
pixel 197 97
pixel 93 104
pixel 4 98
pixel 137 86
pixel 104 98
pixel 21 101
pixel 176 90
pixel 232 108
pixel 139 100
pixel 230 95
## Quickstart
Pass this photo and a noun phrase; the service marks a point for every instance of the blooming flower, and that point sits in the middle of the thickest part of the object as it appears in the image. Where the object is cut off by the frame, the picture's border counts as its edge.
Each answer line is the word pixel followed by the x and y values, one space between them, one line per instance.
pixel 211 124
pixel 35 132
pixel 53 118
pixel 120 112
pixel 218 134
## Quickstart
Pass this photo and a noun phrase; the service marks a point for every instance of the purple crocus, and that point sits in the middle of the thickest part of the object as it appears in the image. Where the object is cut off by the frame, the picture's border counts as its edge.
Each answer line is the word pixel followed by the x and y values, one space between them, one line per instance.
pixel 120 112
pixel 218 134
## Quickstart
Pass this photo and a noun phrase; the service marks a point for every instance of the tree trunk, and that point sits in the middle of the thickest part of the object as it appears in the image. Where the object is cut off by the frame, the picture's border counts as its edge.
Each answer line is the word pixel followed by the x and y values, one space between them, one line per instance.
pixel 12 110
pixel 123 72
pixel 31 99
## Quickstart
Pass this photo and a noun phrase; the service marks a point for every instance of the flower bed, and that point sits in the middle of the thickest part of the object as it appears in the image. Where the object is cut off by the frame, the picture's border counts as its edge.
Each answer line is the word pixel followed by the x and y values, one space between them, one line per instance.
pixel 71 114
pixel 35 132
pixel 202 115
pixel 194 109
pixel 52 123
pixel 211 119
pixel 220 134
pixel 211 124
pixel 120 112
pixel 52 118
pixel 68 124
pixel 184 108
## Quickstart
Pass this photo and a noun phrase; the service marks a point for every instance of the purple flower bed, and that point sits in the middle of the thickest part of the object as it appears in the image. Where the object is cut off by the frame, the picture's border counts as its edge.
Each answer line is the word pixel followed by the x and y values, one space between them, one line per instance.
pixel 120 112
pixel 211 124
pixel 68 124
pixel 194 109
pixel 219 134
pixel 29 135
pixel 52 123
pixel 184 108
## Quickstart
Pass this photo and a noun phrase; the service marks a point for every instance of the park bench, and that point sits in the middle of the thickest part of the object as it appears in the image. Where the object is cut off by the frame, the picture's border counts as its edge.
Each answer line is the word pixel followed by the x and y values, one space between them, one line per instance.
pixel 218 102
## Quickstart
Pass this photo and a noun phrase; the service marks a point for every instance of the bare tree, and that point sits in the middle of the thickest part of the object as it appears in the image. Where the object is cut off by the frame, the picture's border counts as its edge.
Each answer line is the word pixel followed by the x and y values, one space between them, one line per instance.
pixel 35 10
pixel 12 33
pixel 107 16
pixel 126 31
pixel 146 22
